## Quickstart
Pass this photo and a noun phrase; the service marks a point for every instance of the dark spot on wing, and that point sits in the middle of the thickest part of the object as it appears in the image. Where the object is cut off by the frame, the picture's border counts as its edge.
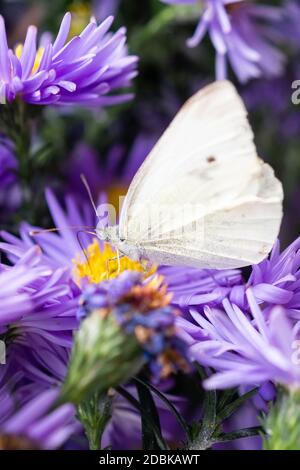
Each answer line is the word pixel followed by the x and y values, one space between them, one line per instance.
pixel 211 159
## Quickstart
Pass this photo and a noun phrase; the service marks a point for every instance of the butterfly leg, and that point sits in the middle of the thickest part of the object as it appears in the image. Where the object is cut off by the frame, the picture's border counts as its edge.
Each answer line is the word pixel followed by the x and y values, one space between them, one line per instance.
pixel 118 258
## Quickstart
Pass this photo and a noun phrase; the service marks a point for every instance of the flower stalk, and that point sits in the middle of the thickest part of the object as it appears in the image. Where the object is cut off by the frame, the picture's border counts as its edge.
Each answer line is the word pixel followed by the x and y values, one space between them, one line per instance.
pixel 282 424
pixel 94 415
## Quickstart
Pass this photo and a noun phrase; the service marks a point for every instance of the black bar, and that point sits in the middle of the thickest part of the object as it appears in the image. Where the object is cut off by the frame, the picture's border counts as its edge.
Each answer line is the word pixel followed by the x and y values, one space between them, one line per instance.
pixel 86 460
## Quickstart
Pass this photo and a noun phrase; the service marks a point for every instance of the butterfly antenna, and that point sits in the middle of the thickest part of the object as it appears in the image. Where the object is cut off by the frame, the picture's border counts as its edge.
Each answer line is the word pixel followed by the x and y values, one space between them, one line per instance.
pixel 88 189
pixel 33 233
pixel 83 249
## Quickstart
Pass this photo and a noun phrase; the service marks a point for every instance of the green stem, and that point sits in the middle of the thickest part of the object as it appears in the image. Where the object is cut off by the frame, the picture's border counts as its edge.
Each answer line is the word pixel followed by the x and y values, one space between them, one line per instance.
pixel 165 17
pixel 94 415
pixel 23 144
pixel 16 126
pixel 282 424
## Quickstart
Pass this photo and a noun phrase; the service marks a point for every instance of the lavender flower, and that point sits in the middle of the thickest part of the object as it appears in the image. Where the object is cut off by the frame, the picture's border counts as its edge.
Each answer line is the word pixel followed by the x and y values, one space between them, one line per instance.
pixel 82 71
pixel 16 300
pixel 8 164
pixel 57 250
pixel 245 348
pixel 8 381
pixel 241 32
pixel 27 421
pixel 290 26
pixel 274 281
pixel 36 300
pixel 104 8
pixel 34 426
pixel 10 194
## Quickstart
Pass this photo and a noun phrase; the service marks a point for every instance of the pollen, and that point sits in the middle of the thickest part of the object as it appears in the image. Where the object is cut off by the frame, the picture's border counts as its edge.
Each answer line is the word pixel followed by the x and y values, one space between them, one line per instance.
pixel 38 57
pixel 102 264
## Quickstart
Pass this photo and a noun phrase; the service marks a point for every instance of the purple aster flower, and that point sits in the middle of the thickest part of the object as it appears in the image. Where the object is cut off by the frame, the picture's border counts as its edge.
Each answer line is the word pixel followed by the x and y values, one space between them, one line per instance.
pixel 45 365
pixel 245 348
pixel 29 386
pixel 35 299
pixel 8 381
pixel 196 287
pixel 34 426
pixel 290 26
pixel 83 70
pixel 271 100
pixel 16 300
pixel 57 250
pixel 274 281
pixel 10 194
pixel 241 32
pixel 104 8
pixel 8 164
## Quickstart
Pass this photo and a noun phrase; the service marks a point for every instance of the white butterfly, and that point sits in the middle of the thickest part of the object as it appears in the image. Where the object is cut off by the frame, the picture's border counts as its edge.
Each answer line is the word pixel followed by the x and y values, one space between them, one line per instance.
pixel 202 197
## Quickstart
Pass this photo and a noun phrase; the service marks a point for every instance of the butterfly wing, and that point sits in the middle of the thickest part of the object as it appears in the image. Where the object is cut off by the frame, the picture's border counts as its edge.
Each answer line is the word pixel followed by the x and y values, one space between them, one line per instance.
pixel 203 197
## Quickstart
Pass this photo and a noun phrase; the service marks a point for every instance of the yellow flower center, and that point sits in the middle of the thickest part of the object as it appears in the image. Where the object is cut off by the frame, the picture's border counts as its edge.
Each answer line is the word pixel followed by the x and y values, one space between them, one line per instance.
pixel 102 265
pixel 38 57
pixel 81 14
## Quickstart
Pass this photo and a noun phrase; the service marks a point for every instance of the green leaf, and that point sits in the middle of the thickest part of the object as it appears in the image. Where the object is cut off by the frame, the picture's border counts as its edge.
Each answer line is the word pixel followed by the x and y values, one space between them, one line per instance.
pixel 241 433
pixel 166 16
pixel 151 431
pixel 216 409
pixel 226 397
pixel 181 421
pixel 133 401
pixel 149 423
pixel 209 422
pixel 229 409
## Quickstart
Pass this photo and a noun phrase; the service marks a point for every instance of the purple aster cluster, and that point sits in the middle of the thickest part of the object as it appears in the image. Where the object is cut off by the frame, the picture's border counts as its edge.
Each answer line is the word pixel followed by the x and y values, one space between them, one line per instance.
pixel 44 305
pixel 250 335
pixel 35 426
pixel 83 70
pixel 76 335
pixel 232 325
pixel 241 32
pixel 27 421
pixel 37 320
pixel 10 194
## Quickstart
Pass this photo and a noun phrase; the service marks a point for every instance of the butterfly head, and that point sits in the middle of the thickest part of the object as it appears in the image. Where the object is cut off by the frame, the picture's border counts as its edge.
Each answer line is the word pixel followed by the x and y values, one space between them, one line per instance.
pixel 111 235
pixel 108 234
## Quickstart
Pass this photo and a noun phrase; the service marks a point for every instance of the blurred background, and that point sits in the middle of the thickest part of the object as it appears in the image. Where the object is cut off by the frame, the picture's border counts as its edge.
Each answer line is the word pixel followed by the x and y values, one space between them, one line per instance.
pixel 109 145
